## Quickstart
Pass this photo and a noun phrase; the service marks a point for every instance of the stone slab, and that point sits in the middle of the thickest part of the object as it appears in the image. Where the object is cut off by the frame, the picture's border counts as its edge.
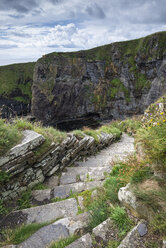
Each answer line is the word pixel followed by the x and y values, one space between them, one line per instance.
pixel 30 141
pixel 45 236
pixel 75 174
pixel 64 191
pixel 41 195
pixel 83 242
pixel 49 212
pixel 134 238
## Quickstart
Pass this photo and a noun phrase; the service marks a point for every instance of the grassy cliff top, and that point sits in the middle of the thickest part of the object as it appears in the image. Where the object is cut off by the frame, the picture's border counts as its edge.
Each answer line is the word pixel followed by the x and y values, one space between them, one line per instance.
pixel 154 43
pixel 16 76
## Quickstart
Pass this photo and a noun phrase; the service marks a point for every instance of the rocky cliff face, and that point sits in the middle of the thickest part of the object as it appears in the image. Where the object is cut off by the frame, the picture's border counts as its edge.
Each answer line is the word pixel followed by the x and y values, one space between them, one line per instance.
pixel 104 83
pixel 15 89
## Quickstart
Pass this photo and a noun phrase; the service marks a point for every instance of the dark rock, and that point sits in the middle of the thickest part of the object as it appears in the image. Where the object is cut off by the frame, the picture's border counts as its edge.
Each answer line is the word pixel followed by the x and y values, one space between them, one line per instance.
pixel 71 90
pixel 142 229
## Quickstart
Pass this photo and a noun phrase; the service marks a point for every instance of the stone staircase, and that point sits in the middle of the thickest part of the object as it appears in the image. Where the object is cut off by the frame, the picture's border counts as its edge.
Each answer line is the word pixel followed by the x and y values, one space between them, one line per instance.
pixel 63 215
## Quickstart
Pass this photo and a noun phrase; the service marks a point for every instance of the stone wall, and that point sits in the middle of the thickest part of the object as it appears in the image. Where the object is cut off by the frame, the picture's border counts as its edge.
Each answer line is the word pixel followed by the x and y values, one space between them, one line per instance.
pixel 26 170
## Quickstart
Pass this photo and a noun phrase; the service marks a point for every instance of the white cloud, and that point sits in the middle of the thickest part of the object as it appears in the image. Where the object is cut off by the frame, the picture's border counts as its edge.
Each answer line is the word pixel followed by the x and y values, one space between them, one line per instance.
pixel 61 25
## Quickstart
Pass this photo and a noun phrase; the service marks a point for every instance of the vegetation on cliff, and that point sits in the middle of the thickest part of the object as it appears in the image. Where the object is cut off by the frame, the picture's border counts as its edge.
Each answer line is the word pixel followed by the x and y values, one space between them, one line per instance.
pixel 16 81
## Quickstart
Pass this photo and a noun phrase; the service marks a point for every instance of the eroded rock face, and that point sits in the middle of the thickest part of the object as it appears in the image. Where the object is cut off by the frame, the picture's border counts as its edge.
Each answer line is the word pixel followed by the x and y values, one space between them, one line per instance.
pixel 109 82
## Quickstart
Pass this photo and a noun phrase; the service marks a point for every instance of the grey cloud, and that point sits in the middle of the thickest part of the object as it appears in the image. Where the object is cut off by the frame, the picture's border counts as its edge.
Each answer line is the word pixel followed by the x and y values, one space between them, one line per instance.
pixel 20 6
pixel 95 10
pixel 7 46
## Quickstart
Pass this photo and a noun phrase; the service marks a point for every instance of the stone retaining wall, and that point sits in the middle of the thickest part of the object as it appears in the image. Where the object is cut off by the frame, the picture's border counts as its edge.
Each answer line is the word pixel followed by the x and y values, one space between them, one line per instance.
pixel 26 170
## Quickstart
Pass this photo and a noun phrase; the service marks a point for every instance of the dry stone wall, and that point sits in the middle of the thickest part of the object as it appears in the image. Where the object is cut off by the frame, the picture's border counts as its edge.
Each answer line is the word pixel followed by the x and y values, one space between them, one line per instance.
pixel 26 170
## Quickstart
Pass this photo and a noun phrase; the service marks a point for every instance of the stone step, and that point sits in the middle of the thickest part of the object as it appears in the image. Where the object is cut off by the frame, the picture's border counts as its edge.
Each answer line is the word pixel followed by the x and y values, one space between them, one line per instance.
pixel 116 151
pixel 83 242
pixel 64 191
pixel 40 214
pixel 76 174
pixel 56 231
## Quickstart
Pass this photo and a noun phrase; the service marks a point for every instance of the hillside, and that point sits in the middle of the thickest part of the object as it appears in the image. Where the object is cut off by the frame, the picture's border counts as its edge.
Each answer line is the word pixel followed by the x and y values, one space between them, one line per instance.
pixel 15 89
pixel 109 82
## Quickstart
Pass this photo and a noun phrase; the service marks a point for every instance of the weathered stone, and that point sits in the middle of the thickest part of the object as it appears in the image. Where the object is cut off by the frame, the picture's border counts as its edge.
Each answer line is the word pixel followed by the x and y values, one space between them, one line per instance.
pixel 30 141
pixel 164 244
pixel 74 225
pixel 75 174
pixel 142 229
pixel 49 212
pixel 104 232
pixel 41 195
pixel 129 200
pixel 133 238
pixel 52 181
pixel 64 191
pixel 45 236
pixel 83 242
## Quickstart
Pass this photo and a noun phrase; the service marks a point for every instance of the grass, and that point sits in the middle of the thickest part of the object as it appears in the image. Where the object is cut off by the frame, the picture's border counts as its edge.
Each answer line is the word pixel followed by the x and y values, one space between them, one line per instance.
pixel 24 200
pixel 40 186
pixel 17 76
pixel 121 220
pixel 64 242
pixel 9 136
pixel 21 233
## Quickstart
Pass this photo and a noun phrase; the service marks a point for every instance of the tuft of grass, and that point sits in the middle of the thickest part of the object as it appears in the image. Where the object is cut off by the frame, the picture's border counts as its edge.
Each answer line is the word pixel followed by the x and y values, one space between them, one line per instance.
pixel 9 136
pixel 24 200
pixel 64 242
pixel 113 244
pixel 158 224
pixel 99 211
pixel 121 219
pixel 109 129
pixel 92 133
pixel 21 233
pixel 40 186
pixel 141 174
pixel 3 209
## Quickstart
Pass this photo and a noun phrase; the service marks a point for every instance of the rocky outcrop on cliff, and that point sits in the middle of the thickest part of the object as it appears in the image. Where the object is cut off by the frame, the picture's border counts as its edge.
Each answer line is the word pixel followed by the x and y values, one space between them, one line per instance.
pixel 15 89
pixel 108 82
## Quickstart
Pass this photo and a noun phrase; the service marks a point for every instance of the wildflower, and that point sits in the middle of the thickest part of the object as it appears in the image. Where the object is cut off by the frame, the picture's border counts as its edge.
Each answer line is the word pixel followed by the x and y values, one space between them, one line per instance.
pixel 164 120
pixel 158 124
pixel 161 113
pixel 149 127
pixel 151 120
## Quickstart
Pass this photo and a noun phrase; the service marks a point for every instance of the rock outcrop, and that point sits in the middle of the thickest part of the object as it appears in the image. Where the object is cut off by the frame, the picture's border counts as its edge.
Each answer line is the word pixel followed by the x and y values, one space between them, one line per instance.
pixel 109 82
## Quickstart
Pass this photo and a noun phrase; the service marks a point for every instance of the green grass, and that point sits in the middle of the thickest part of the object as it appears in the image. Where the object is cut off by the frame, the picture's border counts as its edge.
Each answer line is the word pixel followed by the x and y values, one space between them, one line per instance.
pixel 9 136
pixel 24 200
pixel 40 186
pixel 21 233
pixel 141 174
pixel 64 242
pixel 121 219
pixel 17 76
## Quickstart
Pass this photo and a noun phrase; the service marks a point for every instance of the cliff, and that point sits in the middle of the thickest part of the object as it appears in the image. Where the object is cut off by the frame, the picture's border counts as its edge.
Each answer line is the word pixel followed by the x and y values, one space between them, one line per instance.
pixel 15 89
pixel 108 82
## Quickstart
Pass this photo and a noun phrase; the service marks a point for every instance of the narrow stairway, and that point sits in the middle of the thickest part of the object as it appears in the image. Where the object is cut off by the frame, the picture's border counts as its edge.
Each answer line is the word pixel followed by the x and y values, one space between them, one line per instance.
pixel 85 175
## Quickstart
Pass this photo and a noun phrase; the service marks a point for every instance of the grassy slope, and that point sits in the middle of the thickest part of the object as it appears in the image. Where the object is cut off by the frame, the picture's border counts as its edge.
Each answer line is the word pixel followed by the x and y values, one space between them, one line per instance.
pixel 16 76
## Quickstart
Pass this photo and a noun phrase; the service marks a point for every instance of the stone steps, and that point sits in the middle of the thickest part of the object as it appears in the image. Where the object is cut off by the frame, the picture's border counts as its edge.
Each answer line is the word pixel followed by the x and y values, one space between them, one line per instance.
pixel 43 213
pixel 81 174
pixel 40 197
pixel 58 230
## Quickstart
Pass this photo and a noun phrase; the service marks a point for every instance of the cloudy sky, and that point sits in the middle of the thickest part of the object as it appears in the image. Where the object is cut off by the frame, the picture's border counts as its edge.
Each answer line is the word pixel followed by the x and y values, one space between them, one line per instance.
pixel 31 28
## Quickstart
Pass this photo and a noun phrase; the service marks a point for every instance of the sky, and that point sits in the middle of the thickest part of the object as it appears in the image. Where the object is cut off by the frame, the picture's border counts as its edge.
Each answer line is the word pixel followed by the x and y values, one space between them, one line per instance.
pixel 32 28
